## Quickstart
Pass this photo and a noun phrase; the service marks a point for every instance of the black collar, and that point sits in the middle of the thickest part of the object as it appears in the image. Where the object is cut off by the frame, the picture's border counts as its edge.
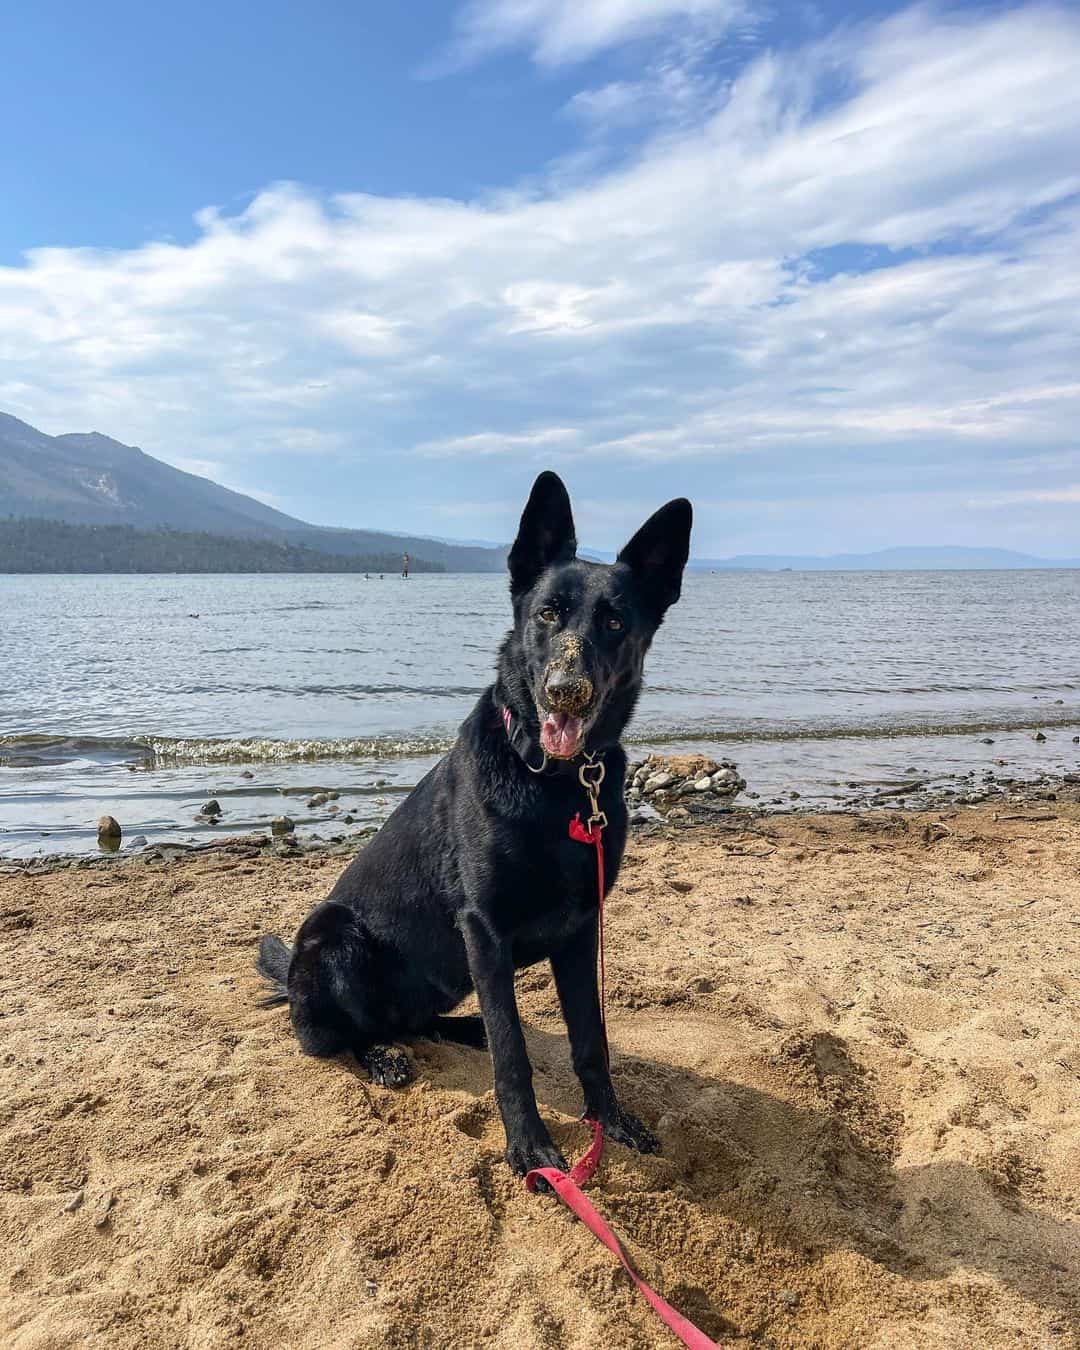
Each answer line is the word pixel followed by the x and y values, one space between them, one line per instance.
pixel 531 753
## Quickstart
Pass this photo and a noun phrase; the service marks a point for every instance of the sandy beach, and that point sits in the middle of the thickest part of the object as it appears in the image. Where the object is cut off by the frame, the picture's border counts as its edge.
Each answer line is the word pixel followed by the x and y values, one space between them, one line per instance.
pixel 857 1037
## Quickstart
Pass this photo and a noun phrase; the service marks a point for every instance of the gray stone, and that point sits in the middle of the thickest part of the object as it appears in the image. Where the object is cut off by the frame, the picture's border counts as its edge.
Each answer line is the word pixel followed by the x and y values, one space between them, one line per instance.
pixel 211 808
pixel 109 832
pixel 645 815
pixel 282 825
pixel 658 780
pixel 703 785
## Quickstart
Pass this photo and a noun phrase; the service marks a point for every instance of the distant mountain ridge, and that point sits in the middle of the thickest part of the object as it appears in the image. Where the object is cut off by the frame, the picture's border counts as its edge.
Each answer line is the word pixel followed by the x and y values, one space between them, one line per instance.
pixel 91 479
pixel 952 557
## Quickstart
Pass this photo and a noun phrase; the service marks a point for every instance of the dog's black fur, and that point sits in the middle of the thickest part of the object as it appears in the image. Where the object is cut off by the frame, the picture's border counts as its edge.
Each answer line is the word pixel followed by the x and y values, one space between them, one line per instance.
pixel 474 875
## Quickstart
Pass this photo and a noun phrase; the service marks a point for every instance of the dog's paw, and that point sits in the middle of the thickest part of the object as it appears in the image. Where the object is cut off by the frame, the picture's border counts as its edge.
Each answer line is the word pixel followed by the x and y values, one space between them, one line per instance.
pixel 525 1157
pixel 626 1129
pixel 389 1068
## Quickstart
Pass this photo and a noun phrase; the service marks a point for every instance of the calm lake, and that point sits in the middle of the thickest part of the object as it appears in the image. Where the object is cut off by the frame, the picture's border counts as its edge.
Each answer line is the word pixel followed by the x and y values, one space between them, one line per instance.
pixel 143 695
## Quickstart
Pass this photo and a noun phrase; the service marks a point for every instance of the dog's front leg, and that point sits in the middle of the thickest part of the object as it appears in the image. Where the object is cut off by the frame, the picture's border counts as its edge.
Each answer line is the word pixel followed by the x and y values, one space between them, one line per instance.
pixel 491 965
pixel 574 968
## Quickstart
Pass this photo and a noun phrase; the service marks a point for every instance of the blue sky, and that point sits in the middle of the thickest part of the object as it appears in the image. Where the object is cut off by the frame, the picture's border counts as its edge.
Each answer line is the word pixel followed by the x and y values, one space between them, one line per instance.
pixel 816 267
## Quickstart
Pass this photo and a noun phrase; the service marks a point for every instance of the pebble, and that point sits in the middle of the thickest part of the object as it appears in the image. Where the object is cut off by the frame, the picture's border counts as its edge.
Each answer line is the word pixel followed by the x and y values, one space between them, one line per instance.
pixel 102 1207
pixel 75 1202
pixel 703 785
pixel 282 825
pixel 108 827
pixel 211 808
pixel 658 781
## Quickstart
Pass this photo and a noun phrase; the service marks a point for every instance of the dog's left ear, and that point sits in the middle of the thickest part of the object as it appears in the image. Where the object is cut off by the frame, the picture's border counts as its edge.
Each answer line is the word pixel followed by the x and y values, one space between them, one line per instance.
pixel 658 552
pixel 545 535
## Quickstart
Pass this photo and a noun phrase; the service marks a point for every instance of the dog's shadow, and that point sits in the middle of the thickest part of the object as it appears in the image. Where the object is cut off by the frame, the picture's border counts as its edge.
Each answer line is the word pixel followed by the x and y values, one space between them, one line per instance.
pixel 813 1179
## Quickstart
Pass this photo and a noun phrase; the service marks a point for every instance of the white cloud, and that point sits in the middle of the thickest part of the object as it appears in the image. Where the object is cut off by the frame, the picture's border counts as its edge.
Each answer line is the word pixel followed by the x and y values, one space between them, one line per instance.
pixel 560 31
pixel 1055 496
pixel 548 439
pixel 865 252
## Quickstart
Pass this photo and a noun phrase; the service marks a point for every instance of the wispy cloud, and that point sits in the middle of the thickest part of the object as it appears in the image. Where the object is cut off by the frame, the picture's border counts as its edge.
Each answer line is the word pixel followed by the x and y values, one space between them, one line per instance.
pixel 555 32
pixel 857 262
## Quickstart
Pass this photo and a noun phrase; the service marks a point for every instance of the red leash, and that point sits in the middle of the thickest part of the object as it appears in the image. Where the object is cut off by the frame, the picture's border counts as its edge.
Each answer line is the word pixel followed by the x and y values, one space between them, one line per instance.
pixel 567 1185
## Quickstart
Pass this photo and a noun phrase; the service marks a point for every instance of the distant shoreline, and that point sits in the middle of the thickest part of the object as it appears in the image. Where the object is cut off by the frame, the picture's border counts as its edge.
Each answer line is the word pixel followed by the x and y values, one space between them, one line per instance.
pixel 32 547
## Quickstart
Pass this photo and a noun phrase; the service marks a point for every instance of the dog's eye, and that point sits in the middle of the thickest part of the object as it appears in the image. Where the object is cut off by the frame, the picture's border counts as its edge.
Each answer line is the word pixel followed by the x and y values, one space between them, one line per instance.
pixel 615 623
pixel 548 614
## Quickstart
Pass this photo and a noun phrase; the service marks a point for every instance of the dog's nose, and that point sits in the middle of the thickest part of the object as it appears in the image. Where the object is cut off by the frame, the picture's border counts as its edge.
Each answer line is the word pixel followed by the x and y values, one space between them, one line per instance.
pixel 567 691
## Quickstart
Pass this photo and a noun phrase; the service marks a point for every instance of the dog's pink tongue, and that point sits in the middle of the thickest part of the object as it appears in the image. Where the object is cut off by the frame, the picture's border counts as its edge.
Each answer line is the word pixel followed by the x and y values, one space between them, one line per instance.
pixel 560 735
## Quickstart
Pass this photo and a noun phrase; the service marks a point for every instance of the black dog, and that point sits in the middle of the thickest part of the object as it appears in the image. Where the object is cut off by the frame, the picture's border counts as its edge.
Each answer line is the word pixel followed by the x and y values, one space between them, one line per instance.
pixel 475 874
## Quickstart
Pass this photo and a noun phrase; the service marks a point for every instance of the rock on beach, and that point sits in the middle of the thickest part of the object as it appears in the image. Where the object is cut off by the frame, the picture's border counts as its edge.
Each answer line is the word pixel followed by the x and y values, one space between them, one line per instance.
pixel 109 832
pixel 660 781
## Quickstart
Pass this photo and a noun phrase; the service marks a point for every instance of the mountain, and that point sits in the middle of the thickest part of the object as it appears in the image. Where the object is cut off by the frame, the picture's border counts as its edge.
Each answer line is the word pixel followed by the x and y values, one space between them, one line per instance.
pixel 90 479
pixel 912 559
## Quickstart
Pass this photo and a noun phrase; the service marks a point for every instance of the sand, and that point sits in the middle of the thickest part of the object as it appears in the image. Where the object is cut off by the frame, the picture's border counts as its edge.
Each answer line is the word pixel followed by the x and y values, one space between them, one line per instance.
pixel 859 1042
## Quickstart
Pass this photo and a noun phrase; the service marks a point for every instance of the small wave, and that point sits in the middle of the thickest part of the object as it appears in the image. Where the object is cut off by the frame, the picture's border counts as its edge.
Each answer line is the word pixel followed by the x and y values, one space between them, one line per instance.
pixel 736 731
pixel 351 691
pixel 43 749
pixel 25 751
pixel 264 750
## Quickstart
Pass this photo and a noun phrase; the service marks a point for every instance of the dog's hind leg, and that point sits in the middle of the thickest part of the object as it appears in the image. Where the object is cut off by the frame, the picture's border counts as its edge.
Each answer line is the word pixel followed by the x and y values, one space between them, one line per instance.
pixel 460 1030
pixel 333 995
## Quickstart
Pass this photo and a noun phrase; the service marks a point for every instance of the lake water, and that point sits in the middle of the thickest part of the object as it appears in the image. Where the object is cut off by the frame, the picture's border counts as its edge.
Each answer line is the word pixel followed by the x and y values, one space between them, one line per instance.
pixel 142 696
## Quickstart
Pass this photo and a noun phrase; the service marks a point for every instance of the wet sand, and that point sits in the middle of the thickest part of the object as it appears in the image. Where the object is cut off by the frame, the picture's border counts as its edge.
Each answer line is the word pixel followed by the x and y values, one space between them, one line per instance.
pixel 857 1036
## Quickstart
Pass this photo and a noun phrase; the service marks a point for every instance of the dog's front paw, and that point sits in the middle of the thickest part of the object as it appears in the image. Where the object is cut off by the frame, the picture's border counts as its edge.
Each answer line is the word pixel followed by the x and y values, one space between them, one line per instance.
pixel 526 1155
pixel 389 1068
pixel 626 1129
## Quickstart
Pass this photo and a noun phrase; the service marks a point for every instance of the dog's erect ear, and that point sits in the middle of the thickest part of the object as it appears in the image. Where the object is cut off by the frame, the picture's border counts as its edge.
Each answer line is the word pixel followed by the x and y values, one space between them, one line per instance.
pixel 658 552
pixel 545 535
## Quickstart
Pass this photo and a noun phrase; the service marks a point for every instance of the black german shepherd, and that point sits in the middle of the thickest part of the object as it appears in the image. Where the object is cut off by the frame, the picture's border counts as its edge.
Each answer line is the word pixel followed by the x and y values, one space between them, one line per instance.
pixel 475 874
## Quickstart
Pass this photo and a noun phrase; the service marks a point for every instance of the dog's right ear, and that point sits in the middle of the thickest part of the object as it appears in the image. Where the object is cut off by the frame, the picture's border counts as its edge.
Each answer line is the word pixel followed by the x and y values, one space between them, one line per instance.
pixel 545 535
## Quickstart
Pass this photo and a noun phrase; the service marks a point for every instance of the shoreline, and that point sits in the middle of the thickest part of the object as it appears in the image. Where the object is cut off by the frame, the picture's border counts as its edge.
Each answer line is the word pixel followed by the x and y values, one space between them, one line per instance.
pixel 856 1034
pixel 946 795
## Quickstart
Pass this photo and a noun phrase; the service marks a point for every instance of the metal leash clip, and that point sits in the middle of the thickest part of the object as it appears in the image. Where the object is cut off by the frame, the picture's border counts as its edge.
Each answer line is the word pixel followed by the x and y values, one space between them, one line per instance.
pixel 591 776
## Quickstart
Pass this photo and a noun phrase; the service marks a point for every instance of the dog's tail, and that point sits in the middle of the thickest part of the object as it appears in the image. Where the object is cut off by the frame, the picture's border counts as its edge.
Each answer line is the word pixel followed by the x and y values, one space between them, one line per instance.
pixel 272 963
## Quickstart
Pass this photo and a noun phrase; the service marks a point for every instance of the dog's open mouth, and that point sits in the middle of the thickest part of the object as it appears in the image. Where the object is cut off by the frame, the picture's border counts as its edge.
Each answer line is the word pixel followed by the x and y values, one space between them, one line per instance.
pixel 561 734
